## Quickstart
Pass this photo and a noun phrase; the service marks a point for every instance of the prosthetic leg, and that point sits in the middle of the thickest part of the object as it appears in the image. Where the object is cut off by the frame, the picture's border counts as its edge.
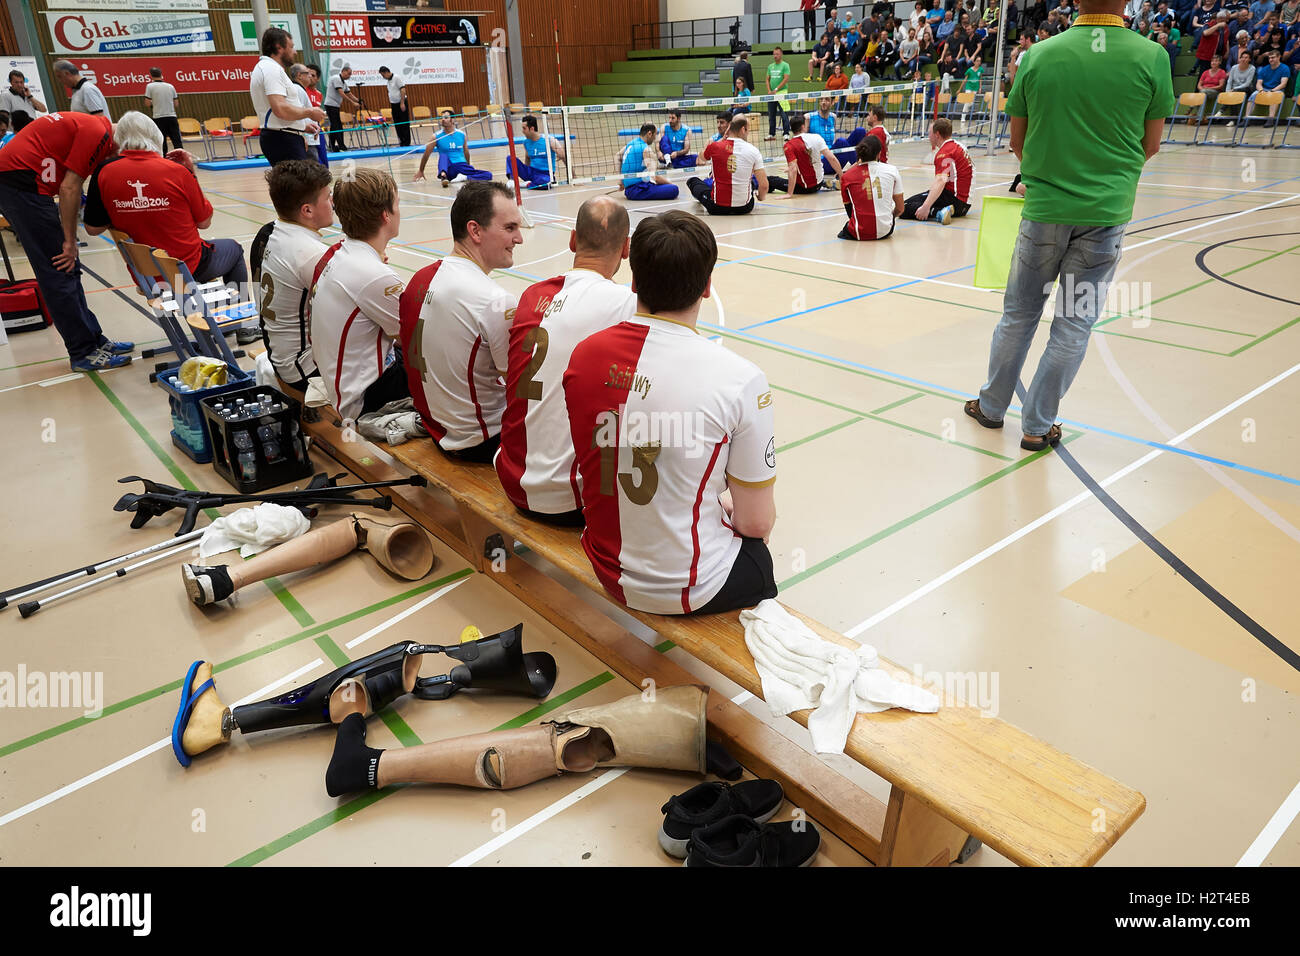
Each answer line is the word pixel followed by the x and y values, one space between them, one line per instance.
pixel 361 687
pixel 666 732
pixel 403 549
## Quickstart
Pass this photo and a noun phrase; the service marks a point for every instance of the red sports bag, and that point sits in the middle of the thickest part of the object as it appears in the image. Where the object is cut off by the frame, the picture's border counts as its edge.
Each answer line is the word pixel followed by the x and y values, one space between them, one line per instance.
pixel 21 306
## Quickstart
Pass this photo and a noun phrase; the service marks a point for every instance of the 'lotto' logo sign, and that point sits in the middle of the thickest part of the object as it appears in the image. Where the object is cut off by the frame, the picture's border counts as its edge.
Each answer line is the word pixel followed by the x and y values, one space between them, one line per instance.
pixel 339 33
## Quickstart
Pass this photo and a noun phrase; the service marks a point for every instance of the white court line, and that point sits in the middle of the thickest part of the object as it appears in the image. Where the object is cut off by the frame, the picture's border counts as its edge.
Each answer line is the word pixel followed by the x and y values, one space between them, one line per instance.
pixel 397 619
pixel 538 818
pixel 1219 189
pixel 533 262
pixel 1059 509
pixel 1273 830
pixel 1212 222
pixel 845 265
pixel 44 383
pixel 138 755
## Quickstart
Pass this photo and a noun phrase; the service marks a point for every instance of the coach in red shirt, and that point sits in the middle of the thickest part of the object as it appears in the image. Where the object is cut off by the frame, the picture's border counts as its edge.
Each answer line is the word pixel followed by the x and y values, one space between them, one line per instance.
pixel 157 201
pixel 52 155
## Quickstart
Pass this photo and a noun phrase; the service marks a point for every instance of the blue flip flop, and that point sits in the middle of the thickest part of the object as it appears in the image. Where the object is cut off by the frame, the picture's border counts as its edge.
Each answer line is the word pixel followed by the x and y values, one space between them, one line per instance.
pixel 188 700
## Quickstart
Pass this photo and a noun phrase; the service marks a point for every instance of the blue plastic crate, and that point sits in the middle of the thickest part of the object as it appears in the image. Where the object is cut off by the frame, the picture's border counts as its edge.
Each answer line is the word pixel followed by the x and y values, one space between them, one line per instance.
pixel 189 428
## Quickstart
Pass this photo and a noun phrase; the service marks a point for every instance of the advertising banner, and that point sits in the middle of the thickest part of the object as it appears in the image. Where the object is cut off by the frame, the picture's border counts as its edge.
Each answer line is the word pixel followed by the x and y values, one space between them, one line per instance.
pixel 244 30
pixel 127 76
pixel 168 5
pixel 413 66
pixel 390 31
pixel 27 65
pixel 89 33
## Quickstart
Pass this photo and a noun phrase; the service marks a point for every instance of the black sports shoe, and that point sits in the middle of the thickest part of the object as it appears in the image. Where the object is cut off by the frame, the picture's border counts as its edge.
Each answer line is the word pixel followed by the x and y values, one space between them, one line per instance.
pixel 709 803
pixel 207 585
pixel 739 841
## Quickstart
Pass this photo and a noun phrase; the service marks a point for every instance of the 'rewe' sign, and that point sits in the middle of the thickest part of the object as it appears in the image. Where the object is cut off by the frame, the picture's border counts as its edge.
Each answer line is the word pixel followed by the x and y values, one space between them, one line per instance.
pixel 334 32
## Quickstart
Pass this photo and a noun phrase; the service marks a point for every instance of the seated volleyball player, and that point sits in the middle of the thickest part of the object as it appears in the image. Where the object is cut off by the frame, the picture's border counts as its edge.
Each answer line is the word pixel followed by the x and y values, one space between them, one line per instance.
pixel 802 150
pixel 949 194
pixel 674 441
pixel 876 128
pixel 354 300
pixel 734 161
pixel 675 144
pixel 456 325
pixel 724 126
pixel 284 257
pixel 536 462
pixel 822 123
pixel 539 172
pixel 453 155
pixel 872 193
pixel 639 157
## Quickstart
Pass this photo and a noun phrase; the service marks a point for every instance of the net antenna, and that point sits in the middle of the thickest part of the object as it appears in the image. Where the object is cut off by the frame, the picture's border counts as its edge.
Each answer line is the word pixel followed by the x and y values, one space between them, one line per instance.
pixel 498 92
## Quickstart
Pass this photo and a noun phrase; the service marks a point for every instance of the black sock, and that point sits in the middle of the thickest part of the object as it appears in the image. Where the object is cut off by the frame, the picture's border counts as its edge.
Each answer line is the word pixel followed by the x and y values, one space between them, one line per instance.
pixel 209 585
pixel 354 766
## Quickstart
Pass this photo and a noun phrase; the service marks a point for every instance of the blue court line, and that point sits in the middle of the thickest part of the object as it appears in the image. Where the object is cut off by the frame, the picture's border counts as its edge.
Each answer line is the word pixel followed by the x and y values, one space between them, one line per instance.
pixel 1197 205
pixel 957 393
pixel 854 298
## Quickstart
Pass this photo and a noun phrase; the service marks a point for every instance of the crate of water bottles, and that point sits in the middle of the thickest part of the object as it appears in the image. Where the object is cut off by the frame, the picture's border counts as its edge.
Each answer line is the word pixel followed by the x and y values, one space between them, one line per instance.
pixel 257 441
pixel 189 429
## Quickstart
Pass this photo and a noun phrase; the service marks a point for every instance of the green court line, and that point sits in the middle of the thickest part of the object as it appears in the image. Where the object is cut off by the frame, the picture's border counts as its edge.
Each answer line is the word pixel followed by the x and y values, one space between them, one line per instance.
pixel 63 358
pixel 911 519
pixel 902 401
pixel 1172 345
pixel 343 812
pixel 887 421
pixel 175 685
pixel 1266 335
pixel 400 729
pixel 824 431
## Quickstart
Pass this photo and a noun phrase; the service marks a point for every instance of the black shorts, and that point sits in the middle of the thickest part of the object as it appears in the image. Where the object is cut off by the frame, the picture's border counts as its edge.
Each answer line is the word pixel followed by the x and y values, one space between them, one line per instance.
pixel 751 580
pixel 389 387
pixel 483 452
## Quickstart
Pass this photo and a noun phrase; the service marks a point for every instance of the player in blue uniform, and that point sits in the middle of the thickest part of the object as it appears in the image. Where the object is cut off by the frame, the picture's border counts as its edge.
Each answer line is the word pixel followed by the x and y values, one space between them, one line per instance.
pixel 675 144
pixel 538 172
pixel 453 154
pixel 639 157
pixel 844 147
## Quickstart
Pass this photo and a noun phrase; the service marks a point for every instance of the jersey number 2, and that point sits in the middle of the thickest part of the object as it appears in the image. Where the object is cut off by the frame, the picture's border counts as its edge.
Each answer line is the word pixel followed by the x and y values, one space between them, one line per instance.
pixel 536 341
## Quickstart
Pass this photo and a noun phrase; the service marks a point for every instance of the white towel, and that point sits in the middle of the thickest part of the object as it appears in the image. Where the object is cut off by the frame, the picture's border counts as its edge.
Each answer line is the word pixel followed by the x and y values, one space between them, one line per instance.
pixel 800 671
pixel 253 530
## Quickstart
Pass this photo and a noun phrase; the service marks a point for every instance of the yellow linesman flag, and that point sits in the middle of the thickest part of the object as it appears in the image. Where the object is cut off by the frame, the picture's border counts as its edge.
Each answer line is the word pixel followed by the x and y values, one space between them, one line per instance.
pixel 999 226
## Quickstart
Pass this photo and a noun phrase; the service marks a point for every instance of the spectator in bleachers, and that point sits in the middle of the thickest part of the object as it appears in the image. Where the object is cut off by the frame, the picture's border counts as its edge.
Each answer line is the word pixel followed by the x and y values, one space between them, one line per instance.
pixel 1289 12
pixel 1013 18
pixel 1142 29
pixel 1213 42
pixel 1204 15
pixel 947 64
pixel 1064 10
pixel 1266 27
pixel 1170 47
pixel 1183 14
pixel 161 98
pixel 859 82
pixel 917 16
pixel 821 58
pixel 639 157
pixel 1260 9
pixel 1023 43
pixel 741 93
pixel 1271 78
pixel 540 170
pixel 453 155
pixel 158 203
pixel 1162 18
pixel 1291 58
pixel 1144 14
pixel 839 51
pixel 85 95
pixel 946 26
pixel 1212 82
pixel 886 56
pixel 1243 20
pixel 1241 79
pixel 852 36
pixel 809 8
pixel 742 70
pixel 1240 45
pixel 675 144
pixel 837 80
pixel 909 58
pixel 1274 44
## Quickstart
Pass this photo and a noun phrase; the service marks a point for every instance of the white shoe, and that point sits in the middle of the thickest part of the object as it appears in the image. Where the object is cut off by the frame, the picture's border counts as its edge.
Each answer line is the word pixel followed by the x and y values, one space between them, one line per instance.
pixel 460 179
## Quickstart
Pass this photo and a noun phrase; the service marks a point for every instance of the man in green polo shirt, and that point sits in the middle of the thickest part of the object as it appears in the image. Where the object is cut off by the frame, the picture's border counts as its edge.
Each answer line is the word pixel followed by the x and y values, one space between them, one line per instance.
pixel 1087 111
pixel 778 81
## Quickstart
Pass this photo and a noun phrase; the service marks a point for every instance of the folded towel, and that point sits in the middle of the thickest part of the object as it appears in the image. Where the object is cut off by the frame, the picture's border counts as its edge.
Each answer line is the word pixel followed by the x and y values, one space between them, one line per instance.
pixel 253 530
pixel 800 671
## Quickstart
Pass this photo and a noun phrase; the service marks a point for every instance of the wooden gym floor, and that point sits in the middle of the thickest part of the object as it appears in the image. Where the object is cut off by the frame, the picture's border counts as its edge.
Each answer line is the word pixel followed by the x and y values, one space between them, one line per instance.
pixel 902 523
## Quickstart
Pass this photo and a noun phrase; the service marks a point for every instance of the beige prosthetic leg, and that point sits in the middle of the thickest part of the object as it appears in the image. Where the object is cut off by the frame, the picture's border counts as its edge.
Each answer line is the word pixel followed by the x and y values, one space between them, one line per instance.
pixel 667 732
pixel 402 549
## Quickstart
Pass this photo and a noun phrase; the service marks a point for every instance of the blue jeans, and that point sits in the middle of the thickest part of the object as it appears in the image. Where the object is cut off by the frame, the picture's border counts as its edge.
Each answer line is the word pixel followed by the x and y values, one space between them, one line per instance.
pixel 35 221
pixel 1084 259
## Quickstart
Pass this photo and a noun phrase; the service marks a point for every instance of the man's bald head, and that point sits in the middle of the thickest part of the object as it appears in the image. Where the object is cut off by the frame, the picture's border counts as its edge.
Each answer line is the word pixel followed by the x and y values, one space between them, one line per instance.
pixel 602 227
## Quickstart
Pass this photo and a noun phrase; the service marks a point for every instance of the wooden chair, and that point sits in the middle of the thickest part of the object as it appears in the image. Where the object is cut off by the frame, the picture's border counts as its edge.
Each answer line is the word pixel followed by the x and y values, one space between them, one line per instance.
pixel 191 130
pixel 157 292
pixel 470 115
pixel 208 308
pixel 1291 121
pixel 1192 107
pixel 251 127
pixel 1228 100
pixel 536 105
pixel 217 130
pixel 421 118
pixel 1261 101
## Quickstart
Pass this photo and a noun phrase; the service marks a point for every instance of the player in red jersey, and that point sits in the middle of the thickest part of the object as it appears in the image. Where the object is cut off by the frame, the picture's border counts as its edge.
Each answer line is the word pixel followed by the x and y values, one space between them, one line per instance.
pixel 873 195
pixel 876 128
pixel 802 150
pixel 949 194
pixel 737 165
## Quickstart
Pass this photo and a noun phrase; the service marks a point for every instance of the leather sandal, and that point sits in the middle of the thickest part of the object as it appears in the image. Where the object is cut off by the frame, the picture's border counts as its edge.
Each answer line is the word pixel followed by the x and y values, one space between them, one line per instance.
pixel 973 410
pixel 1053 438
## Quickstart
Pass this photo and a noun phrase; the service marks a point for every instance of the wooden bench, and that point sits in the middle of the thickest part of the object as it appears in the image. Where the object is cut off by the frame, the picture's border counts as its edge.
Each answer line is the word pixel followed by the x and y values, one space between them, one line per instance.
pixel 955 776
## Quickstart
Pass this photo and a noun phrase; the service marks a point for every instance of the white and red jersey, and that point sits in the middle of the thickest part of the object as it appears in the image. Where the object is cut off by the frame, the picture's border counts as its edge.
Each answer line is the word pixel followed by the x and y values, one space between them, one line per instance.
pixel 734 162
pixel 868 191
pixel 805 151
pixel 283 289
pixel 455 336
pixel 354 321
pixel 881 134
pixel 536 464
pixel 661 420
pixel 952 158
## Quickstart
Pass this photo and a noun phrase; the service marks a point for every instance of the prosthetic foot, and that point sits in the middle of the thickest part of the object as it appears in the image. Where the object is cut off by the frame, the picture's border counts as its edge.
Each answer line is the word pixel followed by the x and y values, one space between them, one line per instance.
pixel 666 732
pixel 364 686
pixel 402 549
